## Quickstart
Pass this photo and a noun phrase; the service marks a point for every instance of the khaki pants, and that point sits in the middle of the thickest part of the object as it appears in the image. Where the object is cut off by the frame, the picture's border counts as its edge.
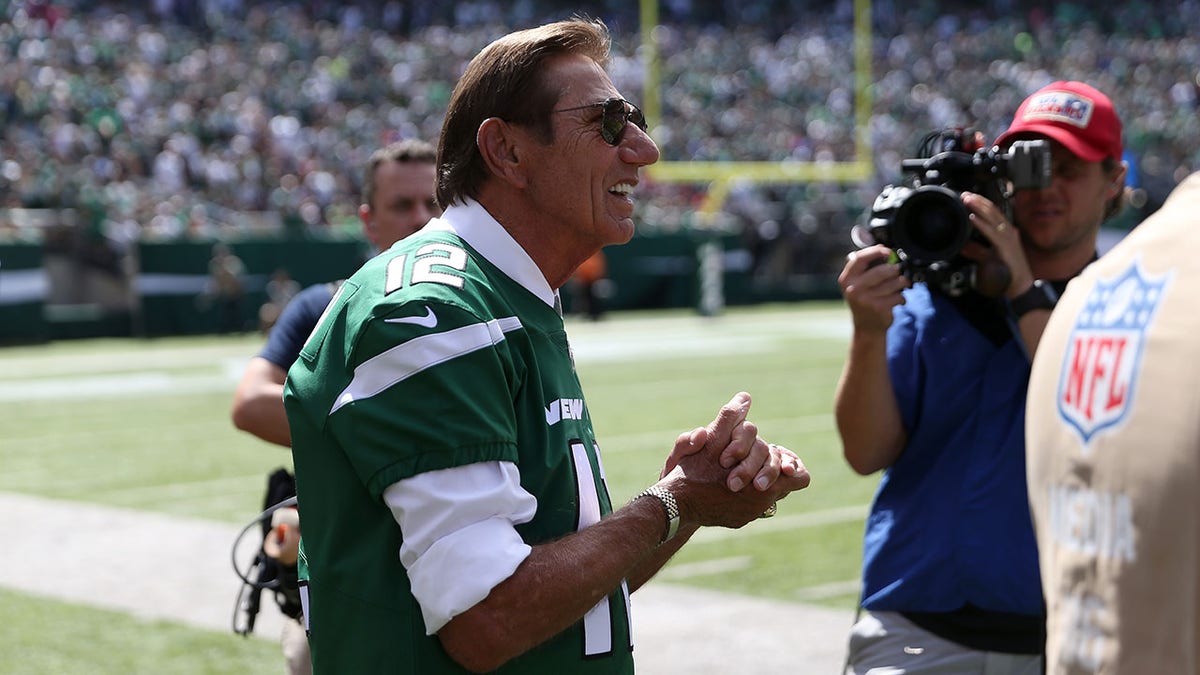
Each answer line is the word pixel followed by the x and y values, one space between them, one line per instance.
pixel 295 648
pixel 886 643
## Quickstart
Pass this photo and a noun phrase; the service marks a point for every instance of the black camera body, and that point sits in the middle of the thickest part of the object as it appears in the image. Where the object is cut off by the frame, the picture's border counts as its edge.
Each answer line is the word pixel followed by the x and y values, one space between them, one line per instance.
pixel 924 220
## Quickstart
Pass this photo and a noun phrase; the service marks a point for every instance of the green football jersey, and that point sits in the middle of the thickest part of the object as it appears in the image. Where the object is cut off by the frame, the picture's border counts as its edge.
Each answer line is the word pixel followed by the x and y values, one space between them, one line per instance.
pixel 431 357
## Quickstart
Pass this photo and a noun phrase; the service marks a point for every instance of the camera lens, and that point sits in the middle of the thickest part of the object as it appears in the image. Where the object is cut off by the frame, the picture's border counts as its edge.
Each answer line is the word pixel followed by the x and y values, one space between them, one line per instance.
pixel 936 225
pixel 932 224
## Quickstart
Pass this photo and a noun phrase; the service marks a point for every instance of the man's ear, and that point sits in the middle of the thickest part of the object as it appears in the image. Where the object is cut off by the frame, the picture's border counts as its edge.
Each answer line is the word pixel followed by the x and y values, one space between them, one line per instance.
pixel 370 230
pixel 1118 182
pixel 500 145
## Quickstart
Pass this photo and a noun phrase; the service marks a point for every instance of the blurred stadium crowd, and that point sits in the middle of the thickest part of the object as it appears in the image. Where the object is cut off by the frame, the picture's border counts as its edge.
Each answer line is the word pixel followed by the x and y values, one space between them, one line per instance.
pixel 208 118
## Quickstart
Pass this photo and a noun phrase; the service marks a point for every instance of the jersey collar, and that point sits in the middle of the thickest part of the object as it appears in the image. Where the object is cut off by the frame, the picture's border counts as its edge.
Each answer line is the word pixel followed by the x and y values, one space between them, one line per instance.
pixel 477 227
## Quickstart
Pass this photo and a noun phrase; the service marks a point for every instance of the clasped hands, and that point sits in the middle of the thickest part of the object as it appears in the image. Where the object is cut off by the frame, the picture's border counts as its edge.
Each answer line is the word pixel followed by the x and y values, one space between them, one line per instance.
pixel 724 474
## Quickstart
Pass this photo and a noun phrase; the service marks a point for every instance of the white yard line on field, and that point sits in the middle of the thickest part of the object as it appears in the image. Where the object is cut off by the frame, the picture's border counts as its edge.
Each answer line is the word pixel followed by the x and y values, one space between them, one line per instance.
pixel 732 565
pixel 621 443
pixel 781 523
pixel 830 590
pixel 703 568
pixel 116 384
pixel 138 356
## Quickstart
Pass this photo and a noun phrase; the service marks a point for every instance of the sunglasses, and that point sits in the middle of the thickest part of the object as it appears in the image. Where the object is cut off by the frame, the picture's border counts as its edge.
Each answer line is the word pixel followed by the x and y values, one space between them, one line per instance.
pixel 617 113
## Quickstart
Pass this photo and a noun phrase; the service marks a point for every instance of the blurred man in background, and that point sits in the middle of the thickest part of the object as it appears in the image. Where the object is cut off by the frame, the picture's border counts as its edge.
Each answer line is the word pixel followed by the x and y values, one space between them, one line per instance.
pixel 1113 442
pixel 280 291
pixel 226 275
pixel 933 394
pixel 397 200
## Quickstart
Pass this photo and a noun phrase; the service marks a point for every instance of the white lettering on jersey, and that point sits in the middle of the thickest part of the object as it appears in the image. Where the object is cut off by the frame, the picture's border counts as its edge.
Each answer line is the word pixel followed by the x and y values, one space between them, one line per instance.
pixel 564 409
pixel 1084 642
pixel 434 263
pixel 394 280
pixel 1093 523
pixel 597 623
pixel 438 263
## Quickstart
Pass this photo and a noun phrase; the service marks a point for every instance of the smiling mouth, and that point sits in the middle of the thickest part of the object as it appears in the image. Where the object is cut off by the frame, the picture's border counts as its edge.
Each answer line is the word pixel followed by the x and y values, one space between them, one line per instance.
pixel 621 189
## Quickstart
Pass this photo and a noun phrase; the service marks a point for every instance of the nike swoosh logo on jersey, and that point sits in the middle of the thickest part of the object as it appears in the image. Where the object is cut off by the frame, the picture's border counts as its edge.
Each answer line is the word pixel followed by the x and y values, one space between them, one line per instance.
pixel 428 321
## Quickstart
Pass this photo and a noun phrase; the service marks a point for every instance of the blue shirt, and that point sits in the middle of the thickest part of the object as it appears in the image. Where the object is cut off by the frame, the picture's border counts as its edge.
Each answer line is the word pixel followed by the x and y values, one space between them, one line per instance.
pixel 950 523
pixel 295 323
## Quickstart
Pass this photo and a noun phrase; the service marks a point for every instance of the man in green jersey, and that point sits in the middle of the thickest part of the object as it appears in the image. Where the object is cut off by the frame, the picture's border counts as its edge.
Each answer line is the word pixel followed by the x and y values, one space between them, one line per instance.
pixel 455 512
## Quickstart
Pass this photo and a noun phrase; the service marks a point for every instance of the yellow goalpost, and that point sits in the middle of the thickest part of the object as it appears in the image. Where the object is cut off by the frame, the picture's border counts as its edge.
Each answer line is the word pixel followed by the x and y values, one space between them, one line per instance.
pixel 721 176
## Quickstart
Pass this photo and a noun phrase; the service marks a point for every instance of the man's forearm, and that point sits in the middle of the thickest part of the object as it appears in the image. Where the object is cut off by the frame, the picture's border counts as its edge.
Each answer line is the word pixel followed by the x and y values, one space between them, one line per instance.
pixel 557 584
pixel 868 417
pixel 259 413
pixel 258 402
pixel 651 564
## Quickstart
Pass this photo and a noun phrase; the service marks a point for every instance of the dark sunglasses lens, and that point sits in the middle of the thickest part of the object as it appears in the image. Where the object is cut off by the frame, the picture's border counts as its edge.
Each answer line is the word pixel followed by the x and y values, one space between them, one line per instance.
pixel 636 116
pixel 613 121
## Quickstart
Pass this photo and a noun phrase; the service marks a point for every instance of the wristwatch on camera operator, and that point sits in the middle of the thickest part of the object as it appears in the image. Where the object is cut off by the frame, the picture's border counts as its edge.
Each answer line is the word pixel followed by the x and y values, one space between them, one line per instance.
pixel 1041 295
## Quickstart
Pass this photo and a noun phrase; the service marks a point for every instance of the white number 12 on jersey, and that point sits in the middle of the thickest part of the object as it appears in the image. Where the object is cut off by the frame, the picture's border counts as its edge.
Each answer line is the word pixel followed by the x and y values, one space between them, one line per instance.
pixel 435 263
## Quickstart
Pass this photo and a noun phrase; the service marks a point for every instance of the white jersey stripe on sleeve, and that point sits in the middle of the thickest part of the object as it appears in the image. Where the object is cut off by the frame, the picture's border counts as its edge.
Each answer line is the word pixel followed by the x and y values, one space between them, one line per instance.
pixel 379 372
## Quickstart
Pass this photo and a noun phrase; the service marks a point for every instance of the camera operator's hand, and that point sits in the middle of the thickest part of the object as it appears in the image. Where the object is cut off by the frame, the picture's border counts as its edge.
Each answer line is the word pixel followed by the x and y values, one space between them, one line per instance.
pixel 872 285
pixel 283 541
pixel 1006 250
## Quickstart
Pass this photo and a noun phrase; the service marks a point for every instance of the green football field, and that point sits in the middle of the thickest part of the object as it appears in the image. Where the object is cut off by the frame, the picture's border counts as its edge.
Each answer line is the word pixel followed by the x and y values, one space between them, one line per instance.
pixel 145 425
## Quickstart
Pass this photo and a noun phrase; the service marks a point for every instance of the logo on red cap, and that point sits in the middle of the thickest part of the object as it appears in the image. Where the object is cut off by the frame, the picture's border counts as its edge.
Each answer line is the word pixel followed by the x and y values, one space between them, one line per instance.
pixel 1061 106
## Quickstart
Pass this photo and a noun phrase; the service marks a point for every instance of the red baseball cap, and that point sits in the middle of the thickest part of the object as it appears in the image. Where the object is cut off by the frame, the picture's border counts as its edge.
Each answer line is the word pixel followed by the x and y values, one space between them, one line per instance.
pixel 1073 113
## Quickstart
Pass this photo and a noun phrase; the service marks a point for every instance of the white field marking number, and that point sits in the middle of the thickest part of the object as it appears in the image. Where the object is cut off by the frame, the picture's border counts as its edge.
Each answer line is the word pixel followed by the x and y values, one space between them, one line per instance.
pixel 435 263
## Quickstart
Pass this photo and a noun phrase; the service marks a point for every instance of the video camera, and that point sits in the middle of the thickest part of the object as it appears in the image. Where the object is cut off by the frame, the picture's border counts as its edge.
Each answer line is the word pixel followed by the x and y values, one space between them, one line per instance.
pixel 266 573
pixel 923 219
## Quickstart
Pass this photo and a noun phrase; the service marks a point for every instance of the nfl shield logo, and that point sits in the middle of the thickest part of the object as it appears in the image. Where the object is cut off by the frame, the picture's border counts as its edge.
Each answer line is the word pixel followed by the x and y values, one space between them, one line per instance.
pixel 1104 351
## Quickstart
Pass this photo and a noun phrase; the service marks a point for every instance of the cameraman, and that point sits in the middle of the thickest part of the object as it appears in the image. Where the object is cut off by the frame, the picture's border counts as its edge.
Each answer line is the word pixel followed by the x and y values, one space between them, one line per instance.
pixel 933 393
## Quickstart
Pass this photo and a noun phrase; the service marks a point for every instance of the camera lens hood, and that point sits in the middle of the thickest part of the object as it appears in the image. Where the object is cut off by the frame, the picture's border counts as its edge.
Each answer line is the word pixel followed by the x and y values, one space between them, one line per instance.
pixel 930 225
